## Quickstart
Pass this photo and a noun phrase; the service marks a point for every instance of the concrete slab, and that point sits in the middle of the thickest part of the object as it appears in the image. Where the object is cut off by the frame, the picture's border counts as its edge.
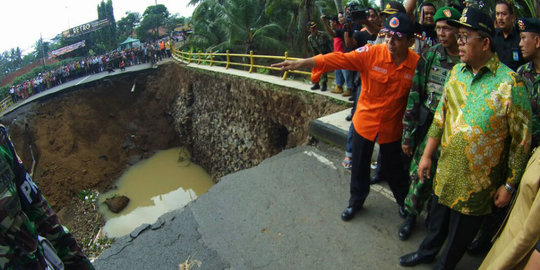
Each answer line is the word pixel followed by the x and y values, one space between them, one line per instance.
pixel 282 214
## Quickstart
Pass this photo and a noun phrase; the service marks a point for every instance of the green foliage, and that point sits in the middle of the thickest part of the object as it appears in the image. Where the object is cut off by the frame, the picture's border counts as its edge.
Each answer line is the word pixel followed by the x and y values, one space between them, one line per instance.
pixel 153 17
pixel 126 25
pixel 88 195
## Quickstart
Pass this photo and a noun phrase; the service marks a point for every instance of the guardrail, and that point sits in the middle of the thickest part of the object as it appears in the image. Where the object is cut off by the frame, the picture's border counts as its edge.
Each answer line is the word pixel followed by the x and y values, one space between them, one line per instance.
pixel 209 59
pixel 5 103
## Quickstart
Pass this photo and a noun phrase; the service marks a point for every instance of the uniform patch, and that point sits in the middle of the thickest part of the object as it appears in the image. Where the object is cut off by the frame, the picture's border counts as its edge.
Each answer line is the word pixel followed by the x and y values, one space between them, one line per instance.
pixel 394 22
pixel 447 13
pixel 521 25
pixel 363 49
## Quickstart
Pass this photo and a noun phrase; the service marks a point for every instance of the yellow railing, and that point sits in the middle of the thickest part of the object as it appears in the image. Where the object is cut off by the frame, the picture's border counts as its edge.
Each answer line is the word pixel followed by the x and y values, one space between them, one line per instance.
pixel 209 59
pixel 5 103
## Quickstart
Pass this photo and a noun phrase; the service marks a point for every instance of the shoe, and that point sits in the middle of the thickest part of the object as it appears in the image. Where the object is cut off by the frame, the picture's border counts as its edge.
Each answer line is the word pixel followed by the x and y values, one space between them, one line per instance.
pixel 347 92
pixel 337 90
pixel 402 212
pixel 407 227
pixel 351 98
pixel 349 213
pixel 374 180
pixel 480 246
pixel 315 86
pixel 348 118
pixel 323 88
pixel 413 259
pixel 347 163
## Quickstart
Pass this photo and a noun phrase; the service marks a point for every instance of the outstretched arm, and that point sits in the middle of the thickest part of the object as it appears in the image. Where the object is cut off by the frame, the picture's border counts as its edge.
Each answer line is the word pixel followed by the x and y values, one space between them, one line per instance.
pixel 295 64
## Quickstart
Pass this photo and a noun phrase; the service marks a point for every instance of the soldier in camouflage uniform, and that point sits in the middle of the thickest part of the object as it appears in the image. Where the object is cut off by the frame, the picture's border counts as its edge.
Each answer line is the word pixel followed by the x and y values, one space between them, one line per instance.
pixel 320 43
pixel 25 215
pixel 530 41
pixel 431 70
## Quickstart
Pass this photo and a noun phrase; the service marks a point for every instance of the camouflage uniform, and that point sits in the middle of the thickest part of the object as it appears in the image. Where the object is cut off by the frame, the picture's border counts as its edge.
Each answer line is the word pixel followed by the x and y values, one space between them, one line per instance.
pixel 431 71
pixel 320 44
pixel 532 79
pixel 25 214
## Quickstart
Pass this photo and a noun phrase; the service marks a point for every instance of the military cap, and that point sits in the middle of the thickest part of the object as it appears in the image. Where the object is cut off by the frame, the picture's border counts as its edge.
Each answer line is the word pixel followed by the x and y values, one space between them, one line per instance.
pixel 529 25
pixel 446 13
pixel 399 24
pixel 393 7
pixel 476 19
pixel 311 24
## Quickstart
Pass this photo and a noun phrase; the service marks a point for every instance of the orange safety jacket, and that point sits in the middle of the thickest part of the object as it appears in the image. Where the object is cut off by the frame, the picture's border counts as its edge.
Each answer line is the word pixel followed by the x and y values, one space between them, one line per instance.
pixel 385 88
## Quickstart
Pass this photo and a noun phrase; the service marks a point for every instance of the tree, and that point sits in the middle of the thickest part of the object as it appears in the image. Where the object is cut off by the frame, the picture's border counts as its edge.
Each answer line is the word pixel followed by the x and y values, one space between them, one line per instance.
pixel 153 17
pixel 126 25
pixel 104 39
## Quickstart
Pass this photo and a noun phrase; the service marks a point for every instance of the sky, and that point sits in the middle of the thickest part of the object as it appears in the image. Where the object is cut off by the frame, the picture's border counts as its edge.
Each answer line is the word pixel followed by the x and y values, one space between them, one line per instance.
pixel 22 21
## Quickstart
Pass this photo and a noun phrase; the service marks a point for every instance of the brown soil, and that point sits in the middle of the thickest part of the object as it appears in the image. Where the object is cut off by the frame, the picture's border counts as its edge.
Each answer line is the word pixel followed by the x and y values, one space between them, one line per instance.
pixel 83 141
pixel 85 138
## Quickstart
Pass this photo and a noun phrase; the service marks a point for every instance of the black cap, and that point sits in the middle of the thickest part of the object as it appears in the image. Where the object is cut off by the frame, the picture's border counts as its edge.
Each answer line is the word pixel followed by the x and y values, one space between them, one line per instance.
pixel 529 25
pixel 476 19
pixel 399 24
pixel 393 7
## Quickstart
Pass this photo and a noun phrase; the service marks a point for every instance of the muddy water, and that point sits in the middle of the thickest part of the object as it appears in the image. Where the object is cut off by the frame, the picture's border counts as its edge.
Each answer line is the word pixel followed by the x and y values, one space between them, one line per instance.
pixel 155 186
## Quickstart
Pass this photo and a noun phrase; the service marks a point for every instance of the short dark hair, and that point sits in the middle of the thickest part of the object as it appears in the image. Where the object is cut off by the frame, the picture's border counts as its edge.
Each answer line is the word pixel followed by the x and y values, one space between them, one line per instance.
pixel 484 34
pixel 508 5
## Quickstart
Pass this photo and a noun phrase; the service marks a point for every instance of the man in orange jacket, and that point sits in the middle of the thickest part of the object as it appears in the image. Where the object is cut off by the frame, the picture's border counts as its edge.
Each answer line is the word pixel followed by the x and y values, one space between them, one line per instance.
pixel 387 71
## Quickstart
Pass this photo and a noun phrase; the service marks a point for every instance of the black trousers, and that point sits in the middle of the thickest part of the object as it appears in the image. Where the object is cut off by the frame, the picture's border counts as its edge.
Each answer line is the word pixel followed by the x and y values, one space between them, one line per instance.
pixel 446 223
pixel 392 170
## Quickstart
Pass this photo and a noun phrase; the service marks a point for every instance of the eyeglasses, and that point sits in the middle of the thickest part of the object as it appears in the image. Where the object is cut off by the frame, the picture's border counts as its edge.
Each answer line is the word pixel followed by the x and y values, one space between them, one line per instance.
pixel 463 38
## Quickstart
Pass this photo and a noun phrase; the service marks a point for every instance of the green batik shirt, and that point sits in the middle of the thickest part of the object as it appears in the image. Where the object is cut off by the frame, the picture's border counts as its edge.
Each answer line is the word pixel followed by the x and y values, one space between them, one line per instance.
pixel 532 79
pixel 320 43
pixel 483 123
pixel 431 72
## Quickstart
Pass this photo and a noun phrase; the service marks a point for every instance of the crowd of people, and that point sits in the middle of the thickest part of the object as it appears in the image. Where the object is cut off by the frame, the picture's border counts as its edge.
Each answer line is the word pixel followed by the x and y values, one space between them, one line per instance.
pixel 451 95
pixel 149 52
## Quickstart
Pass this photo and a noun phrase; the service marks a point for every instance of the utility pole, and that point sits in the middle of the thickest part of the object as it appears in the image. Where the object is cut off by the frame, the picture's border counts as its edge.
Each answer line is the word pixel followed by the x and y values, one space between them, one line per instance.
pixel 157 21
pixel 42 51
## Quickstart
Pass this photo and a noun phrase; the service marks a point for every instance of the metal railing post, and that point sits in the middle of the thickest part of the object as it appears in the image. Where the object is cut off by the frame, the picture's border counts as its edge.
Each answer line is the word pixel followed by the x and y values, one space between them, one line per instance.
pixel 228 60
pixel 211 58
pixel 189 59
pixel 286 73
pixel 250 61
pixel 199 61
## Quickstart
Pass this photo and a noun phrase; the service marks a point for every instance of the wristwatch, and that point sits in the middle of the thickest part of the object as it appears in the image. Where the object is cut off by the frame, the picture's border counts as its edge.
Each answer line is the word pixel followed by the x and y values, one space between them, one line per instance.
pixel 509 188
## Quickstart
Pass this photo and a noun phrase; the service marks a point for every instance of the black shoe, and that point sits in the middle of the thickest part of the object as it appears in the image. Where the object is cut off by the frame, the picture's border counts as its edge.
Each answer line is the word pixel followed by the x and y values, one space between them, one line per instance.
pixel 413 259
pixel 479 246
pixel 349 213
pixel 407 227
pixel 315 86
pixel 351 98
pixel 348 118
pixel 374 180
pixel 323 88
pixel 402 212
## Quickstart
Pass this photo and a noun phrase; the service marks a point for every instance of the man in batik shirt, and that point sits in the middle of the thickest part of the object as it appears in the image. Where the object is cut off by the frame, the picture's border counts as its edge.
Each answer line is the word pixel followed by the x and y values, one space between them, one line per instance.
pixel 530 47
pixel 433 66
pixel 483 126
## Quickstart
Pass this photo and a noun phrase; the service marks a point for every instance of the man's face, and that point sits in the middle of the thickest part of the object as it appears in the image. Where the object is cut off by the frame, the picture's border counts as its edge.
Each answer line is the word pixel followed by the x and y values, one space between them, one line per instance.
pixel 397 46
pixel 334 24
pixel 313 30
pixel 374 18
pixel 470 45
pixel 341 19
pixel 503 18
pixel 529 44
pixel 427 15
pixel 446 33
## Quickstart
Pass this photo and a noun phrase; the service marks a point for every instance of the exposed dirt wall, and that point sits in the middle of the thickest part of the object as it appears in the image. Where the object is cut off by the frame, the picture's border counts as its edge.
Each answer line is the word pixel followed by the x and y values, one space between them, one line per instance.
pixel 85 138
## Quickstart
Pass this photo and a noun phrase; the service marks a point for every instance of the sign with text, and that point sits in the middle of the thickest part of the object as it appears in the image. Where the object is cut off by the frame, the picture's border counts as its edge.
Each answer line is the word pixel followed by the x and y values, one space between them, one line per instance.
pixel 67 49
pixel 85 28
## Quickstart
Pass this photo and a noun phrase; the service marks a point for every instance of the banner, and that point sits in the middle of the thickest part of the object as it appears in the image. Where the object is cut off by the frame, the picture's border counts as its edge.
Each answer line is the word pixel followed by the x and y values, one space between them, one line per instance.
pixel 85 28
pixel 67 49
